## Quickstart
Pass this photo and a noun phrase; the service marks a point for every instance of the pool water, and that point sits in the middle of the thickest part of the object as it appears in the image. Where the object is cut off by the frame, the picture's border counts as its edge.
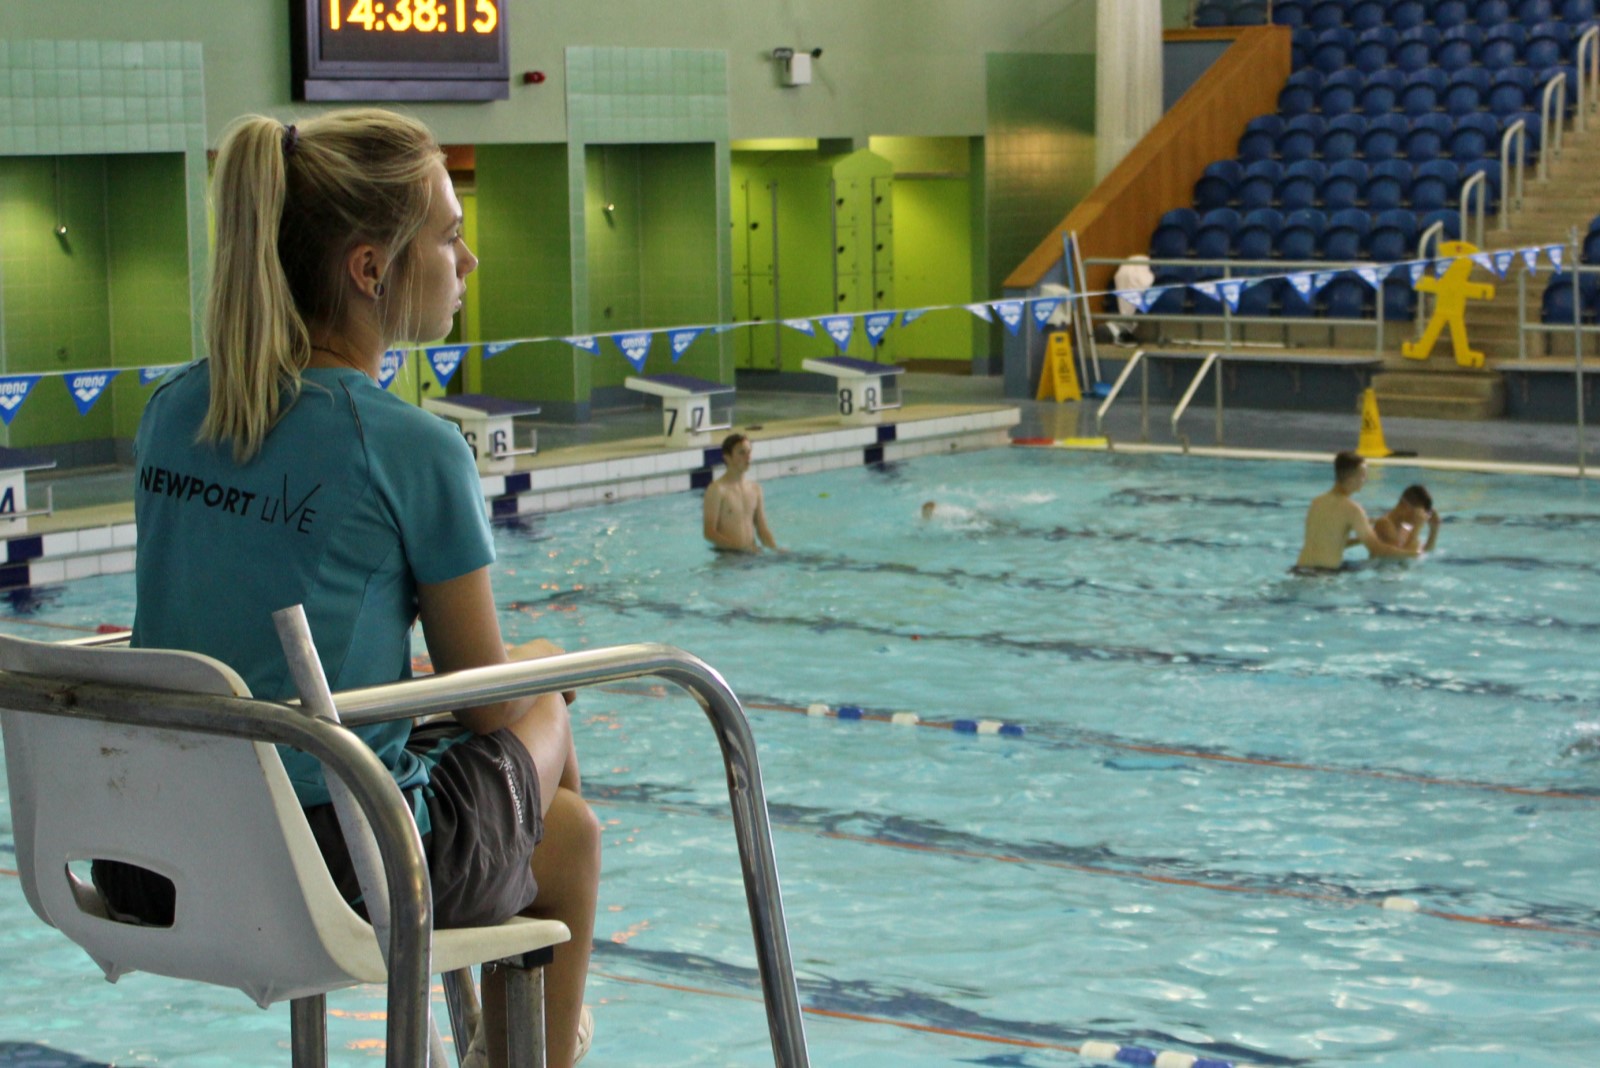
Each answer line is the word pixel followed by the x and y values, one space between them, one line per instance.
pixel 1225 774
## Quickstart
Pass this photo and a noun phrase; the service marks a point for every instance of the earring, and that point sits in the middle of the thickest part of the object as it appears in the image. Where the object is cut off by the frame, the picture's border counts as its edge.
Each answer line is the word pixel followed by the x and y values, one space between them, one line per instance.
pixel 377 290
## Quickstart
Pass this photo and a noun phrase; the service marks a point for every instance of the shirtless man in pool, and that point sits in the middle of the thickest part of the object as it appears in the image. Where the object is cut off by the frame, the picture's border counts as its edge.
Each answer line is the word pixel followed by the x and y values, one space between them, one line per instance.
pixel 734 512
pixel 1335 522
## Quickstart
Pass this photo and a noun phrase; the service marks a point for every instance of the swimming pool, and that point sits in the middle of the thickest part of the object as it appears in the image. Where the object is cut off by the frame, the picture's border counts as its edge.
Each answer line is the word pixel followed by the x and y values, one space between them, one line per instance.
pixel 1225 775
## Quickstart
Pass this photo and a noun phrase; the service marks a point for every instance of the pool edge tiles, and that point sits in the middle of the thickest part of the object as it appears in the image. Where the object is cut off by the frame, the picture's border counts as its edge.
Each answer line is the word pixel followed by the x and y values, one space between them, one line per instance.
pixel 99 541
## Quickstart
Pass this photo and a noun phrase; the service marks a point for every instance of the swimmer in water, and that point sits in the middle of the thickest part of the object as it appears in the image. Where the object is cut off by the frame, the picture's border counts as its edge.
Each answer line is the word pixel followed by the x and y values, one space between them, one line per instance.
pixel 1335 522
pixel 1402 525
pixel 735 514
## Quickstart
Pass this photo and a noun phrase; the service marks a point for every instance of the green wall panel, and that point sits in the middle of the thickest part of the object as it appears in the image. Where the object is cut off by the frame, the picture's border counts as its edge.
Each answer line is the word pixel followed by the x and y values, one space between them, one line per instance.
pixel 933 265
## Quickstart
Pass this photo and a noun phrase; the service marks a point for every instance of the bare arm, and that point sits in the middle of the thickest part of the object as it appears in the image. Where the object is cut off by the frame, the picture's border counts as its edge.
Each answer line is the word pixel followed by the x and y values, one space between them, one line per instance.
pixel 1369 537
pixel 463 631
pixel 1433 532
pixel 762 529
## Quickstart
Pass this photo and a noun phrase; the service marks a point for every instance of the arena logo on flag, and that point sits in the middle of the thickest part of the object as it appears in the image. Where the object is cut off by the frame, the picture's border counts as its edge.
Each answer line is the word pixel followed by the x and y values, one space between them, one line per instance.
pixel 495 348
pixel 981 311
pixel 87 386
pixel 878 324
pixel 802 325
pixel 912 315
pixel 14 389
pixel 682 339
pixel 635 347
pixel 586 342
pixel 1010 314
pixel 1554 252
pixel 1043 309
pixel 839 327
pixel 446 360
pixel 1530 259
pixel 148 375
pixel 389 365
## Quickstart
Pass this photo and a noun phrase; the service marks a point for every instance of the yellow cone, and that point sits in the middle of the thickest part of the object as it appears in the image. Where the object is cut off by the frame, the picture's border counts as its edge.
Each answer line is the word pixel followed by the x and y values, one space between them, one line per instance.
pixel 1372 444
pixel 1059 378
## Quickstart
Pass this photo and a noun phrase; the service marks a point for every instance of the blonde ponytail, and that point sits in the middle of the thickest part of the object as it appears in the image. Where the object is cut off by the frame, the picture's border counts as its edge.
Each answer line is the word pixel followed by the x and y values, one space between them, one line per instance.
pixel 290 203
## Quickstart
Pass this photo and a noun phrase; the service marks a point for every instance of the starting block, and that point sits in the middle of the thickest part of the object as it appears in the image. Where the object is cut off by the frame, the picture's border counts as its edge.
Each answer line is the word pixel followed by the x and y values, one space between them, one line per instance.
pixel 14 467
pixel 692 409
pixel 865 389
pixel 489 425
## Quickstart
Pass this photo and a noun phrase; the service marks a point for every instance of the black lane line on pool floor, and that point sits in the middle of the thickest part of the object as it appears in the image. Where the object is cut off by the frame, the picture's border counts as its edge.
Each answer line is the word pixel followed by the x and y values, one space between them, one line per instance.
pixel 1077 651
pixel 1056 736
pixel 867 1001
pixel 932 838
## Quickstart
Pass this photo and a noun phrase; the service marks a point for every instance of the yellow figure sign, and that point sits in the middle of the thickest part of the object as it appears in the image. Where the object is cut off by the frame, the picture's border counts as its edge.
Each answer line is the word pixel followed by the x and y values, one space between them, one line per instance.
pixel 1452 291
pixel 1059 378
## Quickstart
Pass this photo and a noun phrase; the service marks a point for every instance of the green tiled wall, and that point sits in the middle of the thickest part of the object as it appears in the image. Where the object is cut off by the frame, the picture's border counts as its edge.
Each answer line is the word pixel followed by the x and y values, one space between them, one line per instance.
pixel 126 121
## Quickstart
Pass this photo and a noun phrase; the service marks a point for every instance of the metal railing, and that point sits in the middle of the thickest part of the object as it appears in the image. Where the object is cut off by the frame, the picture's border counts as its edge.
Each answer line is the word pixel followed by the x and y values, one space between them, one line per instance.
pixel 1477 183
pixel 1188 395
pixel 346 756
pixel 1516 133
pixel 1137 360
pixel 1588 77
pixel 1552 121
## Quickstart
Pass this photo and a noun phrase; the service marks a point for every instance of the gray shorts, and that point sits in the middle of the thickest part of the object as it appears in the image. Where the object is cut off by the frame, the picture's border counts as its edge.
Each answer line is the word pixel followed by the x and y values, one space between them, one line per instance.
pixel 482 799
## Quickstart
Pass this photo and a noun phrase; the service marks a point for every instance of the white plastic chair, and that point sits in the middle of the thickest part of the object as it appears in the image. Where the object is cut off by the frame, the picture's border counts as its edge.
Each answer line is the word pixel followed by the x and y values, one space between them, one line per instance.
pixel 255 906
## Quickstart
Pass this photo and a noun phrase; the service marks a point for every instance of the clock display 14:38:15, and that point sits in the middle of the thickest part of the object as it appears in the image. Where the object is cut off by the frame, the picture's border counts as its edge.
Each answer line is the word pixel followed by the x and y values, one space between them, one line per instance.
pixel 413 16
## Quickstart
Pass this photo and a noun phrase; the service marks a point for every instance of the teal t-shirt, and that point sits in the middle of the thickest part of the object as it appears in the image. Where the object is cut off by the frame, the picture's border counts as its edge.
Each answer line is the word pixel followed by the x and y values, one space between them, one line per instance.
pixel 354 499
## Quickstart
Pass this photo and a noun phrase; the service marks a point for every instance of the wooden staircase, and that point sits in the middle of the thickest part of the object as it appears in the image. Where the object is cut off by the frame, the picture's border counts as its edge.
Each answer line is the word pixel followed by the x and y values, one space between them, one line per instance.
pixel 1437 388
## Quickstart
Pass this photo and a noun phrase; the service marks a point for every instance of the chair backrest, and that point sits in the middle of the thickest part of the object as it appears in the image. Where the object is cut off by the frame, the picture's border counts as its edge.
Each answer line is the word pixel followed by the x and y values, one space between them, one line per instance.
pixel 255 907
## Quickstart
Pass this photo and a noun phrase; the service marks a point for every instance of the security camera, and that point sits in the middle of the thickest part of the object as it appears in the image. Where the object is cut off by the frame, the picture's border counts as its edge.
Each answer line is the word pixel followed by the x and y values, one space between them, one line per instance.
pixel 816 53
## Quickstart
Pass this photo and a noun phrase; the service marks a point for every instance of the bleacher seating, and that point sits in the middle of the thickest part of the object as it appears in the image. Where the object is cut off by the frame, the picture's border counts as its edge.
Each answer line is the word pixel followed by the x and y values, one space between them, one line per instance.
pixel 1391 107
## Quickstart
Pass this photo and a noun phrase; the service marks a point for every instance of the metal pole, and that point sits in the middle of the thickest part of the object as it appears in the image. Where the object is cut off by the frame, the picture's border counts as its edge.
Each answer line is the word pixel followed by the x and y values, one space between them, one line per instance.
pixel 1218 372
pixel 777 306
pixel 1577 350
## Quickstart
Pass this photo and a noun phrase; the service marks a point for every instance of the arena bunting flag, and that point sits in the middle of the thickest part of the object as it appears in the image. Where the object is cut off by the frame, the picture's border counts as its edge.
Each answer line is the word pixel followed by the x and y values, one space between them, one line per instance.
pixel 912 315
pixel 723 328
pixel 1010 314
pixel 682 339
pixel 635 347
pixel 1302 285
pixel 495 348
pixel 1554 252
pixel 1503 261
pixel 877 324
pixel 445 361
pixel 839 327
pixel 1483 259
pixel 1231 289
pixel 1206 289
pixel 587 342
pixel 803 325
pixel 1417 270
pixel 1141 299
pixel 1043 308
pixel 1530 259
pixel 148 375
pixel 86 387
pixel 1442 266
pixel 1373 276
pixel 389 365
pixel 981 311
pixel 14 389
pixel 1319 279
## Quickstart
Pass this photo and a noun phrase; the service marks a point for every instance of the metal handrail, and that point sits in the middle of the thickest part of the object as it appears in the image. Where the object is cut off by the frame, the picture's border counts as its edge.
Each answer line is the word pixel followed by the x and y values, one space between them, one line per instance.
pixel 1435 233
pixel 1588 87
pixel 1552 118
pixel 1188 395
pixel 1517 132
pixel 346 756
pixel 1479 182
pixel 1116 388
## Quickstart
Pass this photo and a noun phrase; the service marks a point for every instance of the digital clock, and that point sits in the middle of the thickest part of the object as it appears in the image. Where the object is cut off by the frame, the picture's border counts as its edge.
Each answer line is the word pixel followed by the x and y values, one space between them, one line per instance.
pixel 399 49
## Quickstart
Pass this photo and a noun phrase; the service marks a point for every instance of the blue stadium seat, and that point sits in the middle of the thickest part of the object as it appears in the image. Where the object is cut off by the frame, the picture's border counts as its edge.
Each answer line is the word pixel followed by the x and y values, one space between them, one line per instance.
pixel 1491 13
pixel 1380 94
pixel 1393 236
pixel 1214 238
pixel 1590 252
pixel 1325 15
pixel 1575 11
pixel 1399 298
pixel 1343 186
pixel 1302 180
pixel 1303 40
pixel 1490 169
pixel 1373 48
pixel 1425 139
pixel 1175 280
pixel 1256 234
pixel 1299 94
pixel 1546 47
pixel 1300 137
pixel 1259 186
pixel 1216 187
pixel 1346 236
pixel 1594 223
pixel 1367 15
pixel 1414 50
pixel 1260 138
pixel 1457 49
pixel 1384 137
pixel 1338 93
pixel 1407 14
pixel 1475 136
pixel 1301 233
pixel 1388 185
pixel 1174 234
pixel 1248 13
pixel 1510 91
pixel 1422 91
pixel 1434 185
pixel 1288 13
pixel 1343 139
pixel 1531 11
pixel 1448 13
pixel 1468 91
pixel 1211 13
pixel 1448 219
pixel 1259 299
pixel 1345 297
pixel 1546 74
pixel 1333 49
pixel 1499 53
pixel 1557 304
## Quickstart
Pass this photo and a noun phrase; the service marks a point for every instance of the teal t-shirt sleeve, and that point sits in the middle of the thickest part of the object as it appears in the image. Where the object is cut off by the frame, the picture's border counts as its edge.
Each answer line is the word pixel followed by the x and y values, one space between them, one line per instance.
pixel 443 520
